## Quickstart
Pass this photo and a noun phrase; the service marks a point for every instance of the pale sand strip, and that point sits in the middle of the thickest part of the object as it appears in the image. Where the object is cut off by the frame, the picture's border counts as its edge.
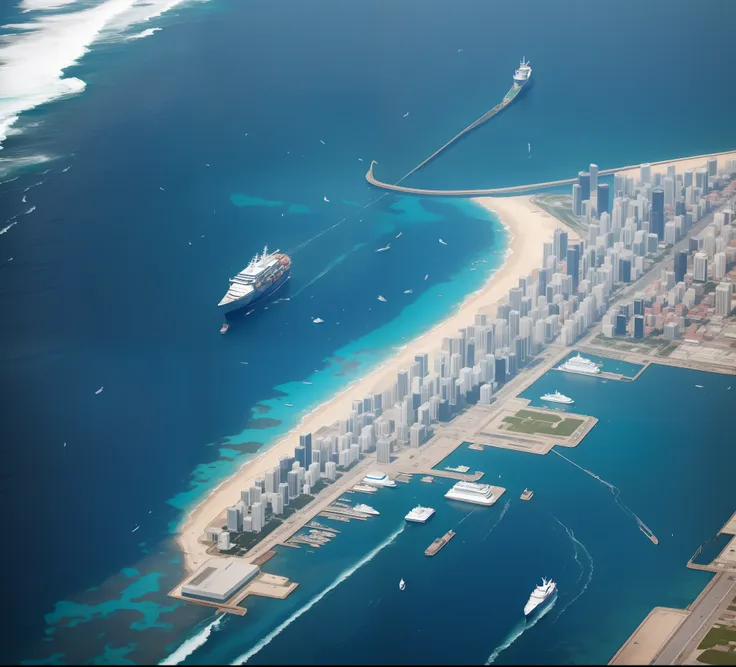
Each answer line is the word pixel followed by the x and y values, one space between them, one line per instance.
pixel 649 638
pixel 683 164
pixel 528 228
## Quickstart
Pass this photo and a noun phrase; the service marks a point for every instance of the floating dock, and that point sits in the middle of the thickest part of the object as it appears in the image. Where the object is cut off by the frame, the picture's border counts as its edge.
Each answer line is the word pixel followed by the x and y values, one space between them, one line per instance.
pixel 527 494
pixel 440 542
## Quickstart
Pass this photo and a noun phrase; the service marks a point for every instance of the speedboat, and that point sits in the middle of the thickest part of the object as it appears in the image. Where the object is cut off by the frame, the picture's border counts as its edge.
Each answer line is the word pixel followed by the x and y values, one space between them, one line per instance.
pixel 402 585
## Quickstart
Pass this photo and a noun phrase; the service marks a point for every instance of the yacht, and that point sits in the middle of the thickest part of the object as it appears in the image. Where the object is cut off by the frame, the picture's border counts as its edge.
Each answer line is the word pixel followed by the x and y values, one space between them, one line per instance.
pixel 402 585
pixel 366 509
pixel 541 594
pixel 419 514
pixel 579 364
pixel 471 492
pixel 557 397
pixel 364 488
pixel 378 479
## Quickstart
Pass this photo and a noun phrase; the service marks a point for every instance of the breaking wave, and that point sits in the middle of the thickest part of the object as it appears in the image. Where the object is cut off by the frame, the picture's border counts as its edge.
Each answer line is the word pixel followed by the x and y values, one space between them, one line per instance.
pixel 191 645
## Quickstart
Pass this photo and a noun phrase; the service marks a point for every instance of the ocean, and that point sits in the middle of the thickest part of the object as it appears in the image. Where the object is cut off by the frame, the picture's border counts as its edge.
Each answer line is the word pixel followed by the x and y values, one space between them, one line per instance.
pixel 226 129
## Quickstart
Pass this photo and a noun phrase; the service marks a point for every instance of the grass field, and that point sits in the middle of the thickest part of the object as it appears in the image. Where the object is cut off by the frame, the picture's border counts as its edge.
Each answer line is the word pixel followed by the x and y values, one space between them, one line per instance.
pixel 713 657
pixel 718 636
pixel 542 423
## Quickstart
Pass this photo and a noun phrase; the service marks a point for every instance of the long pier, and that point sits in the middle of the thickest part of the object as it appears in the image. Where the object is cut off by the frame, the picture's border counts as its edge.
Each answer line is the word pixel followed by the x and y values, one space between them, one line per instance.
pixel 508 98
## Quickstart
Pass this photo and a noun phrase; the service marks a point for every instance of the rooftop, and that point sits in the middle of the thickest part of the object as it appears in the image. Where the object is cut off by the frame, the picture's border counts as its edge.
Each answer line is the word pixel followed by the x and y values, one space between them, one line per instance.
pixel 219 578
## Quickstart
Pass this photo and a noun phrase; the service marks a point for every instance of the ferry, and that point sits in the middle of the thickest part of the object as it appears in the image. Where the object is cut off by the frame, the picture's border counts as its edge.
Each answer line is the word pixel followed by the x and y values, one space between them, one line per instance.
pixel 557 397
pixel 523 74
pixel 471 492
pixel 224 328
pixel 378 479
pixel 579 364
pixel 540 595
pixel 420 514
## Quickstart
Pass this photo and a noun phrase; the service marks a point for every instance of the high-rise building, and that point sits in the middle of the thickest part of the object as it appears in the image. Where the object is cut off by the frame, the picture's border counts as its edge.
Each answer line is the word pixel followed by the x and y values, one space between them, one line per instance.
pixel 257 517
pixel 620 324
pixel 700 267
pixel 577 200
pixel 638 326
pixel 712 166
pixel 560 244
pixel 402 381
pixel 573 265
pixel 273 479
pixel 293 482
pixel 593 177
pixel 300 454
pixel 284 491
pixel 645 173
pixel 604 200
pixel 305 440
pixel 383 450
pixel 234 519
pixel 723 299
pixel 584 183
pixel 656 223
pixel 680 265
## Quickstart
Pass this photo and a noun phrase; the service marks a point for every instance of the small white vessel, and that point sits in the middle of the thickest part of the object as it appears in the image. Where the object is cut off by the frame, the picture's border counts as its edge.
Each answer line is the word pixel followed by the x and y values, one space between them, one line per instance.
pixel 322 142
pixel 442 242
pixel 419 514
pixel 99 391
pixel 378 479
pixel 382 298
pixel 408 291
pixel 289 405
pixel 406 114
pixel 305 382
pixel 540 595
pixel 700 386
pixel 317 320
pixel 557 397
pixel 399 234
pixel 579 364
pixel 325 199
pixel 384 249
pixel 402 585
pixel 427 276
pixel 522 75
pixel 366 509
pixel 364 488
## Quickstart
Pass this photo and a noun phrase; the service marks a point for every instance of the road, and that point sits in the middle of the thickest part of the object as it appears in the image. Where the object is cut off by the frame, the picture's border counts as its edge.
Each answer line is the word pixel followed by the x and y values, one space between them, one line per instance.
pixel 702 616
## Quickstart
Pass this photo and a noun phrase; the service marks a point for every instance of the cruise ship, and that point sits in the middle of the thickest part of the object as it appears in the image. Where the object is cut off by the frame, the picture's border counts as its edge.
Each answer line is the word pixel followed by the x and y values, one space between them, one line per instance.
pixel 557 397
pixel 378 479
pixel 579 364
pixel 366 509
pixel 541 594
pixel 523 74
pixel 262 277
pixel 419 514
pixel 470 492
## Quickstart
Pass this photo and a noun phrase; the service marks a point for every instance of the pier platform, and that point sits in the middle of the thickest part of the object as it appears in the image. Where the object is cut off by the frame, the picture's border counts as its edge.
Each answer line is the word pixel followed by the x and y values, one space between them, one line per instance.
pixel 651 635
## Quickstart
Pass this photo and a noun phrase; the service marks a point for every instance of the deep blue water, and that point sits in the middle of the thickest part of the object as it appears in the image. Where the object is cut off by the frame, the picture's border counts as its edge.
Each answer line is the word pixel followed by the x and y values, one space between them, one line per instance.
pixel 105 290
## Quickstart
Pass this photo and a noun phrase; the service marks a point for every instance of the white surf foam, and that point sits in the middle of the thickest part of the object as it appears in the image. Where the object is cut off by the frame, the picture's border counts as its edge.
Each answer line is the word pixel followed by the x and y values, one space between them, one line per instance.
pixel 342 577
pixel 519 630
pixel 192 644
pixel 145 33
pixel 34 54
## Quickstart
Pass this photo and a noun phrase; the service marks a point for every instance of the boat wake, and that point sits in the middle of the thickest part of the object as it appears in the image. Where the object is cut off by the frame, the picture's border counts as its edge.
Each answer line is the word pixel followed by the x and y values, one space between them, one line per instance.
pixel 616 493
pixel 519 629
pixel 575 544
pixel 341 577
pixel 192 644
pixel 320 275
pixel 500 518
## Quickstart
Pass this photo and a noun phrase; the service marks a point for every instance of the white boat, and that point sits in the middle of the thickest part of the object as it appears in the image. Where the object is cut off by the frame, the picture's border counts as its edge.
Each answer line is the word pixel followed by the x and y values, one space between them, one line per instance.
pixel 408 291
pixel 382 298
pixel 325 199
pixel 378 479
pixel 364 488
pixel 402 585
pixel 399 234
pixel 264 275
pixel 289 405
pixel 384 249
pixel 317 320
pixel 471 492
pixel 442 242
pixel 99 391
pixel 541 594
pixel 406 114
pixel 700 386
pixel 427 276
pixel 557 397
pixel 420 514
pixel 366 509
pixel 523 74
pixel 579 364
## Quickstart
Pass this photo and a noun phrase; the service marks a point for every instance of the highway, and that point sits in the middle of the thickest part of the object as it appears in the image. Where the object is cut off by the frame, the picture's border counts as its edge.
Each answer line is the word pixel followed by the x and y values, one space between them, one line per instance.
pixel 514 189
pixel 702 616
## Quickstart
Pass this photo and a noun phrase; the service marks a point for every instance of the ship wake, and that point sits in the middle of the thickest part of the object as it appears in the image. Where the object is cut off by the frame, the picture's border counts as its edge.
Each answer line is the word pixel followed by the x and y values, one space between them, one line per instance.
pixel 500 518
pixel 320 275
pixel 341 577
pixel 191 645
pixel 519 629
pixel 616 493
pixel 576 544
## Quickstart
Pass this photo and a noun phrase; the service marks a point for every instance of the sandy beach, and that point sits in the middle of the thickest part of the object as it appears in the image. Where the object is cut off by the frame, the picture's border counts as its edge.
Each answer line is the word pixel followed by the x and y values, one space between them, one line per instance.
pixel 528 227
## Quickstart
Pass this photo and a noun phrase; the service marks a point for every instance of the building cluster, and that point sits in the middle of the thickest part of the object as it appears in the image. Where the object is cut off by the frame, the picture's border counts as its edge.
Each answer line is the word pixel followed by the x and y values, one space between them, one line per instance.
pixel 563 298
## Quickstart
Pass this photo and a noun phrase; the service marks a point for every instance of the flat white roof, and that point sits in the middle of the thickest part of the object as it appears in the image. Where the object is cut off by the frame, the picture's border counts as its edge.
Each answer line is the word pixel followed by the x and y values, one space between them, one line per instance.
pixel 219 578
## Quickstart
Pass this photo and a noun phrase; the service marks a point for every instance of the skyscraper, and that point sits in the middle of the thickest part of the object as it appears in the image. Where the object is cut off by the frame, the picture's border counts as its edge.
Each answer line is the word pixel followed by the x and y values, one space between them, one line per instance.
pixel 680 265
pixel 604 201
pixel 638 326
pixel 723 299
pixel 584 183
pixel 593 176
pixel 573 265
pixel 656 224
pixel 700 267
pixel 305 440
pixel 577 199
pixel 300 454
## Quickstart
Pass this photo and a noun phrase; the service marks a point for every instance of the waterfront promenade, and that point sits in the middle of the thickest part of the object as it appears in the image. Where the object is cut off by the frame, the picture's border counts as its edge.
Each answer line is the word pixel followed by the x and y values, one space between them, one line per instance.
pixel 515 189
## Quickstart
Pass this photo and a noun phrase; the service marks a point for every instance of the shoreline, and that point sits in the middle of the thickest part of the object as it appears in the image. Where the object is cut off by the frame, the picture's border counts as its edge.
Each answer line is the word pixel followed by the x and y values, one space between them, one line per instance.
pixel 527 226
